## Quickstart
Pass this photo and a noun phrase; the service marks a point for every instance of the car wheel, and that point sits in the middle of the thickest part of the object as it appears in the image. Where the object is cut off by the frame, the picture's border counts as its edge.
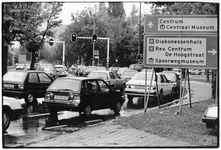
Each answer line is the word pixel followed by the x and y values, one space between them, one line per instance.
pixel 117 108
pixel 30 98
pixel 6 120
pixel 87 111
pixel 210 125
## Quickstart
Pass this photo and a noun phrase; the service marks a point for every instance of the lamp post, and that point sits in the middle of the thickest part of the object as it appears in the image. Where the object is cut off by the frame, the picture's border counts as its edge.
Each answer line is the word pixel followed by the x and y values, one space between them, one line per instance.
pixel 63 56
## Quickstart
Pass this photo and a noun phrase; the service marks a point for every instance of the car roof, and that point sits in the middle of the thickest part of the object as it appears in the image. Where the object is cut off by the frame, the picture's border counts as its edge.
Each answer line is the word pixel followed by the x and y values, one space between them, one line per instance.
pixel 25 71
pixel 80 78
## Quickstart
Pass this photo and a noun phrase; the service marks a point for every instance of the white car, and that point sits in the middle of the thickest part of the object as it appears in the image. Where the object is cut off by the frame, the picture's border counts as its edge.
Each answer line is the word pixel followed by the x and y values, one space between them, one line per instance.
pixel 136 86
pixel 12 110
pixel 128 74
pixel 62 70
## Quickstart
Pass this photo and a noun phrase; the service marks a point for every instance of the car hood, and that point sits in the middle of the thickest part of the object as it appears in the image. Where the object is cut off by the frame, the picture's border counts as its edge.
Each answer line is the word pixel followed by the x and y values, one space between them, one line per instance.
pixel 12 103
pixel 140 82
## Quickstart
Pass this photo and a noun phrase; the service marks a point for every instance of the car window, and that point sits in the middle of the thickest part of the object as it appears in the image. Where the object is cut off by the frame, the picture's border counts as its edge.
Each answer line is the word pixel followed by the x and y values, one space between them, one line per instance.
pixel 101 75
pixel 91 86
pixel 111 75
pixel 171 76
pixel 44 78
pixel 103 86
pixel 64 83
pixel 165 79
pixel 116 76
pixel 33 78
pixel 14 76
pixel 129 73
pixel 141 76
pixel 161 79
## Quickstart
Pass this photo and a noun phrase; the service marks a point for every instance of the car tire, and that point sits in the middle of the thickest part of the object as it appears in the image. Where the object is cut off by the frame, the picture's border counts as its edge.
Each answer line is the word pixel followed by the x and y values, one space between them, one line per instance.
pixel 117 109
pixel 30 99
pixel 6 120
pixel 87 111
pixel 210 125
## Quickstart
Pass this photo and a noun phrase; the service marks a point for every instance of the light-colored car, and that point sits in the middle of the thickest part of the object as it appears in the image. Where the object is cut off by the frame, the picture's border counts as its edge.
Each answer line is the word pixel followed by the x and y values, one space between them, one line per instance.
pixel 136 86
pixel 110 77
pixel 210 116
pixel 128 74
pixel 120 70
pixel 12 110
pixel 62 70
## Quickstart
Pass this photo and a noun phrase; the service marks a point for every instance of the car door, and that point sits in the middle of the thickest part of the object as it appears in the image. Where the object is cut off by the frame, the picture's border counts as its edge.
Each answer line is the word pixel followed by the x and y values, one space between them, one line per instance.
pixel 45 81
pixel 33 84
pixel 166 85
pixel 106 97
pixel 119 81
pixel 94 97
pixel 112 80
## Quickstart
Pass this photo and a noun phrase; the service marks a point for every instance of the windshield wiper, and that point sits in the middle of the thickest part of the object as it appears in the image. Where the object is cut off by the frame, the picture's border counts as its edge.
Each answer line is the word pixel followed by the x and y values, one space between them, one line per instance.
pixel 64 90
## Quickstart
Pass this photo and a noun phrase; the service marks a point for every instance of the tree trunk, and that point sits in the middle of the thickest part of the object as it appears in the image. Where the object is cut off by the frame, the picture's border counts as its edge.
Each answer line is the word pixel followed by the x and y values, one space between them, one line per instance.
pixel 33 61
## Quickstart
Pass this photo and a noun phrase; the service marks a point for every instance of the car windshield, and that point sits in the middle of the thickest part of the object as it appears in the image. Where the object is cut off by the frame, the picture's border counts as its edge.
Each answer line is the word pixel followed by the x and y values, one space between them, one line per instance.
pixel 170 76
pixel 101 75
pixel 59 69
pixel 129 73
pixel 141 76
pixel 101 68
pixel 15 76
pixel 63 83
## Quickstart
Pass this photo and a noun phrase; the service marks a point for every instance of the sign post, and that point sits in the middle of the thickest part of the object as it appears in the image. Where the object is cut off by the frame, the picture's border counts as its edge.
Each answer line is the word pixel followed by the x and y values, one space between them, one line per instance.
pixel 181 41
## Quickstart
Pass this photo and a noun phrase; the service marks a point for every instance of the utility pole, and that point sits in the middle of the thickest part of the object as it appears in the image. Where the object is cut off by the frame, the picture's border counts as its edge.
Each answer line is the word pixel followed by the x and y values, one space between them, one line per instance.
pixel 139 31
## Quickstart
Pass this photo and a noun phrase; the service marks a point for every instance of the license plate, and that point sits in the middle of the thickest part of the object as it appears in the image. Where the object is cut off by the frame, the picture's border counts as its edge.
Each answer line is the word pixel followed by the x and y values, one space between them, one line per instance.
pixel 8 85
pixel 61 97
pixel 139 87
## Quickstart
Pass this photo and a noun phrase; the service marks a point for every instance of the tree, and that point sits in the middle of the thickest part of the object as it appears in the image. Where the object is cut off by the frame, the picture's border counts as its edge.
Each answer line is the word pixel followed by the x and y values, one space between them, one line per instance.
pixel 116 9
pixel 24 21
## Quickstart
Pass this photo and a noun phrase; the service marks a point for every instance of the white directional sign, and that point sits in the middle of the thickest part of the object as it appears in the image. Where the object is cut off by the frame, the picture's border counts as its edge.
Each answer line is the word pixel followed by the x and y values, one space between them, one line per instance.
pixel 181 24
pixel 180 51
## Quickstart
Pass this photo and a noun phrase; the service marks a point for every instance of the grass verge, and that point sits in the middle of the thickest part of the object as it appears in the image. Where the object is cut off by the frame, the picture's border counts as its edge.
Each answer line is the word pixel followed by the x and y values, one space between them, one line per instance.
pixel 165 122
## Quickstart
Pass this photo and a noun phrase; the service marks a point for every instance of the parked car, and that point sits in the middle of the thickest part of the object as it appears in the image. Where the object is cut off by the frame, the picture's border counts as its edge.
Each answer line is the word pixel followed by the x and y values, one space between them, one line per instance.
pixel 113 69
pixel 21 67
pixel 62 70
pixel 178 71
pixel 128 74
pixel 196 71
pixel 136 86
pixel 88 69
pixel 210 116
pixel 137 67
pixel 51 71
pixel 81 94
pixel 27 84
pixel 174 78
pixel 80 70
pixel 110 77
pixel 12 110
pixel 120 70
pixel 101 68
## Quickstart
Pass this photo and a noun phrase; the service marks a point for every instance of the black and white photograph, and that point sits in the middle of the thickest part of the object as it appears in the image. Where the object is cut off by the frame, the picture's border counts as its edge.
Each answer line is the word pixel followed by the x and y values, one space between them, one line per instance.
pixel 110 74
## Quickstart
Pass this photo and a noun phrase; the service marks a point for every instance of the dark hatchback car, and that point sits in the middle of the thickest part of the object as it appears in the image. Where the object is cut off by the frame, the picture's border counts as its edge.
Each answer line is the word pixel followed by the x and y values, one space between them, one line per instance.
pixel 27 84
pixel 81 94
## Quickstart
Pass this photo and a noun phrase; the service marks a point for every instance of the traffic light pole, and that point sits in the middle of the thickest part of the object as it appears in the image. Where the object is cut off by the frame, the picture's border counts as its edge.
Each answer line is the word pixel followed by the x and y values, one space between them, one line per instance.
pixel 63 57
pixel 101 38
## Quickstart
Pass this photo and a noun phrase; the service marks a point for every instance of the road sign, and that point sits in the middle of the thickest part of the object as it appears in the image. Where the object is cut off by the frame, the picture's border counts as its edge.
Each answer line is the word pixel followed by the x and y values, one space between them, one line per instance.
pixel 181 51
pixel 181 24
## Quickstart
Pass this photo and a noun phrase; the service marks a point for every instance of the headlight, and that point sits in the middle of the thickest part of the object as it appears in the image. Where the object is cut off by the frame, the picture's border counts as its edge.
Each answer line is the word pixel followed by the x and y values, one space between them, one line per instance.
pixel 49 95
pixel 21 86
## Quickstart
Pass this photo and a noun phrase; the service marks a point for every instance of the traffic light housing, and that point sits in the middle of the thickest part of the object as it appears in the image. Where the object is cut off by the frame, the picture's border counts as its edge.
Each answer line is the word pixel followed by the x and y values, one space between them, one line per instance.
pixel 94 38
pixel 51 43
pixel 74 37
pixel 138 58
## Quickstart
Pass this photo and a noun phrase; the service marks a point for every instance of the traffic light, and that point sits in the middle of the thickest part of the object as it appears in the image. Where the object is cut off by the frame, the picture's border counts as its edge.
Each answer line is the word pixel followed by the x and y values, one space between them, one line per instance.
pixel 74 37
pixel 37 54
pixel 138 58
pixel 94 38
pixel 51 43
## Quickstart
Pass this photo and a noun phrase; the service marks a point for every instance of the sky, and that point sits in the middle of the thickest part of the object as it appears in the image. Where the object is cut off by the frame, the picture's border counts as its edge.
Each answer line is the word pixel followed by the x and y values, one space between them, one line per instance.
pixel 69 8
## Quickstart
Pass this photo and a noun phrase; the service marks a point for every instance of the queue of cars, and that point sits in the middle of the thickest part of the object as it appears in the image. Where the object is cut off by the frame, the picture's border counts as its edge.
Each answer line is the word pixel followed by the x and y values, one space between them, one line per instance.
pixel 99 89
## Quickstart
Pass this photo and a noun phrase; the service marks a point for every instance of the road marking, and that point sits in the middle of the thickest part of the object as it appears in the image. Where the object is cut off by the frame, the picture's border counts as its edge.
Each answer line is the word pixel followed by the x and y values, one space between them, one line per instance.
pixel 55 127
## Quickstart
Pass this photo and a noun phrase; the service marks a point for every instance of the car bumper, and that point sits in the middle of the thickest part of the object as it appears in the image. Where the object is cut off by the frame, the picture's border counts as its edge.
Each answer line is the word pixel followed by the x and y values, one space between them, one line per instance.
pixel 15 114
pixel 211 120
pixel 18 94
pixel 61 106
pixel 140 92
